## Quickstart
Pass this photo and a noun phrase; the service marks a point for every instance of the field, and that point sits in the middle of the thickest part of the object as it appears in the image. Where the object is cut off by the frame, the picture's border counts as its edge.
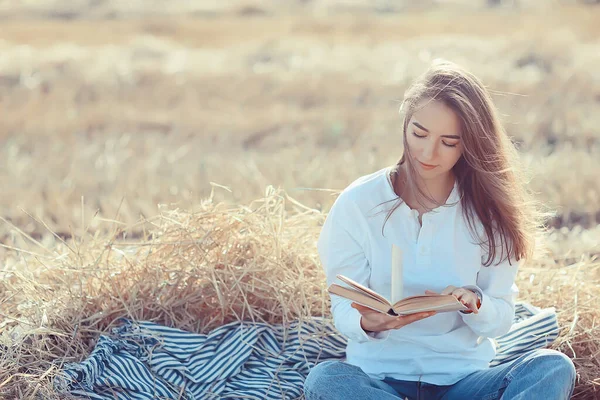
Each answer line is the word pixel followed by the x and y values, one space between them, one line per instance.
pixel 128 132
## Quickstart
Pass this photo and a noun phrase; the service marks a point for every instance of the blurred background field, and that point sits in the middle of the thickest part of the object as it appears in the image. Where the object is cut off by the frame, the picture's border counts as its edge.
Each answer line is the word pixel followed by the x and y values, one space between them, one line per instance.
pixel 119 119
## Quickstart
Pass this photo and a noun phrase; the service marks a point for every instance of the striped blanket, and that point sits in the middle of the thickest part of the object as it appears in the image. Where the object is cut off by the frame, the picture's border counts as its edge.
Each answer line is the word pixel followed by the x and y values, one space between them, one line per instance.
pixel 143 360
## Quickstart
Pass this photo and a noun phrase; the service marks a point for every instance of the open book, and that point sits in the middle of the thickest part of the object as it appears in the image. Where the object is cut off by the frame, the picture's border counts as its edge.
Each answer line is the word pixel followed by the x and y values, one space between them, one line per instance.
pixel 408 305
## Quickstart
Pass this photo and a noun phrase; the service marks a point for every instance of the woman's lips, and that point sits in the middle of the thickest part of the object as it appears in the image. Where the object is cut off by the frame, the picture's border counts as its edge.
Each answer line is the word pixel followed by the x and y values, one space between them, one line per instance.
pixel 427 166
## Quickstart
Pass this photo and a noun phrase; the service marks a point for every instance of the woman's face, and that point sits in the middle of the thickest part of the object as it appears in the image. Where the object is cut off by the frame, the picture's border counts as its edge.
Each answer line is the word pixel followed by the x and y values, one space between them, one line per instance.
pixel 433 137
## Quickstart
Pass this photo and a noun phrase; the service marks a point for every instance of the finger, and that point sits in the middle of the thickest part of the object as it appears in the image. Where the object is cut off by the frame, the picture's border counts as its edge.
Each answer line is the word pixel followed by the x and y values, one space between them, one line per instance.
pixel 363 309
pixel 359 307
pixel 408 319
pixel 430 292
pixel 462 296
pixel 467 303
pixel 472 304
pixel 449 289
pixel 468 299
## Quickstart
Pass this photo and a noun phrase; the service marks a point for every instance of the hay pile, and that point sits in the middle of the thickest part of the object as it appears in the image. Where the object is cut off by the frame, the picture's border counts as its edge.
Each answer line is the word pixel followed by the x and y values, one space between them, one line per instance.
pixel 197 270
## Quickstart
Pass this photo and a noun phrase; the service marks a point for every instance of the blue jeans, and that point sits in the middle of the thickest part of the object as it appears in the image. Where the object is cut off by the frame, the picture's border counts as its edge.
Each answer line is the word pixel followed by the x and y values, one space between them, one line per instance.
pixel 539 374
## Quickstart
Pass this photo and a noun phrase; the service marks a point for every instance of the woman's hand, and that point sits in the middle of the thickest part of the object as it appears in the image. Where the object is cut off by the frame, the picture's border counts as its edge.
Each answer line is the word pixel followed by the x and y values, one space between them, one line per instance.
pixel 465 296
pixel 375 321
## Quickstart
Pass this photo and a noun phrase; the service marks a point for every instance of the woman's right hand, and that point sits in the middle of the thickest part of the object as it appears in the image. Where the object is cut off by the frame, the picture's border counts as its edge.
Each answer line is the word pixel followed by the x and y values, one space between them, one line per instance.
pixel 375 321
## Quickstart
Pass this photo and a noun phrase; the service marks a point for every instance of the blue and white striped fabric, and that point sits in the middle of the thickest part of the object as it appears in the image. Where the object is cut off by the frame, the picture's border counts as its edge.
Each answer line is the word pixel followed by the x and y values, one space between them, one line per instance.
pixel 144 360
pixel 533 328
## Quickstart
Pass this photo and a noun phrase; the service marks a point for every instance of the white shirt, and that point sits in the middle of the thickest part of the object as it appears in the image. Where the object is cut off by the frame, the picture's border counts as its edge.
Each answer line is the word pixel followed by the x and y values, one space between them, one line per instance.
pixel 441 349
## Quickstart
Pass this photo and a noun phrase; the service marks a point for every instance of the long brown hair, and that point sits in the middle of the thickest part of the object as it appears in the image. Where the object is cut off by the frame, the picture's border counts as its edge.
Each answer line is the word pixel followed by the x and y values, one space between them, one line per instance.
pixel 491 186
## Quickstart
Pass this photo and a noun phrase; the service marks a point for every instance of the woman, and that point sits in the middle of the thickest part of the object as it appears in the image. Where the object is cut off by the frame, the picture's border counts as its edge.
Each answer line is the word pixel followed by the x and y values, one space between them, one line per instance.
pixel 456 206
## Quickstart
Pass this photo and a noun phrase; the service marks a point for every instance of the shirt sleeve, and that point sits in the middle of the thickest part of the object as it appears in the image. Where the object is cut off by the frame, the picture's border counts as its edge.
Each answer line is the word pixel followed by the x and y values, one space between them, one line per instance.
pixel 341 250
pixel 496 283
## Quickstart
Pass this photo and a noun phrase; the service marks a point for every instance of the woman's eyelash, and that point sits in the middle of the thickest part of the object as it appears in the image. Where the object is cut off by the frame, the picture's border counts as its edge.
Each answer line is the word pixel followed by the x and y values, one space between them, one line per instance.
pixel 445 144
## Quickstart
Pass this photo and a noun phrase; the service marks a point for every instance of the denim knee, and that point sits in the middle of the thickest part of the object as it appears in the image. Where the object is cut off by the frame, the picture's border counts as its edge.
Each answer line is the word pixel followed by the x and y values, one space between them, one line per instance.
pixel 323 375
pixel 559 369
pixel 562 364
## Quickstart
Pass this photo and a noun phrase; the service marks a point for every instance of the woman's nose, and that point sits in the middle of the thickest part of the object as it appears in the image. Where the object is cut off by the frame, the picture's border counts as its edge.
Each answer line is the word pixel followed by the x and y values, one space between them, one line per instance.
pixel 429 151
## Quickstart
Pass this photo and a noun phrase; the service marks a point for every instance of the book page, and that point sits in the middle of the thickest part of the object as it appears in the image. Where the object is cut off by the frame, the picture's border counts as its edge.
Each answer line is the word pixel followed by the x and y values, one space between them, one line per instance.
pixel 439 303
pixel 418 298
pixel 364 289
pixel 359 297
pixel 436 308
pixel 397 278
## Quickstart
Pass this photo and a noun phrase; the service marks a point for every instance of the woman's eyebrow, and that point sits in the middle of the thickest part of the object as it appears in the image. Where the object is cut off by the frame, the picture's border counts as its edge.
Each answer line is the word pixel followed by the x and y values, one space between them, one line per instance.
pixel 451 136
pixel 418 125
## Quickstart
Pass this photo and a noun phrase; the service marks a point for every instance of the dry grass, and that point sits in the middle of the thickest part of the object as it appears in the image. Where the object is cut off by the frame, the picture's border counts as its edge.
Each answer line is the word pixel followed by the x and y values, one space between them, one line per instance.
pixel 115 121
pixel 110 109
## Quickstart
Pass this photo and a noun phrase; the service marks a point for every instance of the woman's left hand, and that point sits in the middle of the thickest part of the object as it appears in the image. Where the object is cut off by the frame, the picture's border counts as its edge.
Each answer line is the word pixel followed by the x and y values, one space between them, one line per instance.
pixel 465 296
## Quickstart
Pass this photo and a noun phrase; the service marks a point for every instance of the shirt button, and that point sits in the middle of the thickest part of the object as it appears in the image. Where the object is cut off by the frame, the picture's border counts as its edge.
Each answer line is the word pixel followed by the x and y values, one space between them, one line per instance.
pixel 424 250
